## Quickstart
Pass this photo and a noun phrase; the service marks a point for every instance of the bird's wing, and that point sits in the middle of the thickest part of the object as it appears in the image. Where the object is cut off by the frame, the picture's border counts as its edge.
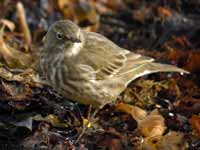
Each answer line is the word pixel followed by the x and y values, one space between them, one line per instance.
pixel 105 59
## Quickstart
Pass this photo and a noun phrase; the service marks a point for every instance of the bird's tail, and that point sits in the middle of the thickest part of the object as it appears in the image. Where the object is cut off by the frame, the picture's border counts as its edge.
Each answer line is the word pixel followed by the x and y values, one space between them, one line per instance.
pixel 149 68
pixel 157 67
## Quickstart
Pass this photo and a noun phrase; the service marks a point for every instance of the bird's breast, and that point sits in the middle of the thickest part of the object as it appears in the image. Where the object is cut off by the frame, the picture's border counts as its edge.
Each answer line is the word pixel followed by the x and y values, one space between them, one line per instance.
pixel 49 66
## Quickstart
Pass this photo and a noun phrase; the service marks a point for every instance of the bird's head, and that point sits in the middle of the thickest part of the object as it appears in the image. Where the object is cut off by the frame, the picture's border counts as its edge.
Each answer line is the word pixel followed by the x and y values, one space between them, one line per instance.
pixel 63 35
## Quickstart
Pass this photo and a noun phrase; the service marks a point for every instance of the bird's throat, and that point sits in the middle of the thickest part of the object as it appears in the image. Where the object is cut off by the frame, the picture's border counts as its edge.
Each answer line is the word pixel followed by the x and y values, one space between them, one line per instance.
pixel 74 49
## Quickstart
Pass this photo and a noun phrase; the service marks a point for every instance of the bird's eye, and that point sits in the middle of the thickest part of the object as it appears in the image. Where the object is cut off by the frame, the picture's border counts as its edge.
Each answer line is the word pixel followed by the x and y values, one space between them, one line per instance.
pixel 59 36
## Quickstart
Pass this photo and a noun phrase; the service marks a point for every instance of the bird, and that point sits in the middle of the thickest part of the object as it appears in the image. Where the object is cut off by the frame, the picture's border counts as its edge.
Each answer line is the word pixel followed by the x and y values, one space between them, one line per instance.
pixel 88 68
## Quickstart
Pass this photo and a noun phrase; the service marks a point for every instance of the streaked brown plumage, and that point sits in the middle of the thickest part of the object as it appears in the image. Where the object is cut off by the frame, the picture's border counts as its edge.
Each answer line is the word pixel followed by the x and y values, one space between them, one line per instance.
pixel 88 68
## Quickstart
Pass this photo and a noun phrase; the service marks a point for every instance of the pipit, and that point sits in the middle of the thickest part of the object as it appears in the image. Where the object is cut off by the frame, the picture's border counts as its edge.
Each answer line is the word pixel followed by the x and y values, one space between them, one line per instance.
pixel 88 68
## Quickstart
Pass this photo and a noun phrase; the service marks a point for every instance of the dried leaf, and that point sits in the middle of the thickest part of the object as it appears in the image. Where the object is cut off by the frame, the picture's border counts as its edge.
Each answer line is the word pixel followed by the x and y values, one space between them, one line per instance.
pixel 137 113
pixel 13 57
pixel 45 139
pixel 66 7
pixel 188 105
pixel 7 75
pixel 51 119
pixel 23 23
pixel 28 76
pixel 152 125
pixel 145 91
pixel 193 62
pixel 86 15
pixel 15 90
pixel 182 41
pixel 8 23
pixel 81 12
pixel 190 61
pixel 174 141
pixel 25 123
pixel 149 125
pixel 114 5
pixel 141 14
pixel 152 143
pixel 195 122
pixel 164 12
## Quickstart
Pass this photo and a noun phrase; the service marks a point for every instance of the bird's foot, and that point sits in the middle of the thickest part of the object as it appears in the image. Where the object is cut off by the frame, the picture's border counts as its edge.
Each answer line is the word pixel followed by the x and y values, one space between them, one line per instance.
pixel 87 123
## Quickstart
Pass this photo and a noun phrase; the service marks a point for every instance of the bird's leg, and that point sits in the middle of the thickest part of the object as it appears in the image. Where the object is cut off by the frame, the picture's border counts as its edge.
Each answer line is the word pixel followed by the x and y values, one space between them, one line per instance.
pixel 89 112
pixel 89 122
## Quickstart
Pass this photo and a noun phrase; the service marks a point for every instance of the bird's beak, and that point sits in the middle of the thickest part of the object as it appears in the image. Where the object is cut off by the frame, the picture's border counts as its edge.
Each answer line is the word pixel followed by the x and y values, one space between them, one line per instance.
pixel 77 40
pixel 73 39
